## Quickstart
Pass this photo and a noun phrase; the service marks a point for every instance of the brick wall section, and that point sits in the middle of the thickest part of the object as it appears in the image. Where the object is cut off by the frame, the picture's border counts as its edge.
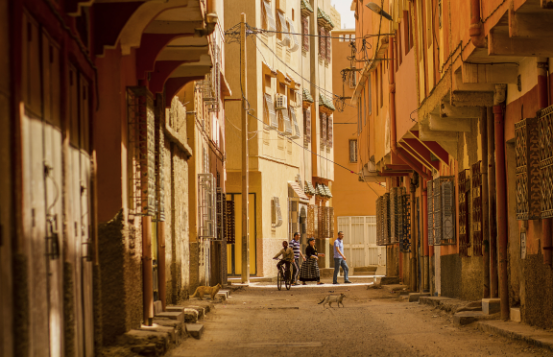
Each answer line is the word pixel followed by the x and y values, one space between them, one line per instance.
pixel 120 248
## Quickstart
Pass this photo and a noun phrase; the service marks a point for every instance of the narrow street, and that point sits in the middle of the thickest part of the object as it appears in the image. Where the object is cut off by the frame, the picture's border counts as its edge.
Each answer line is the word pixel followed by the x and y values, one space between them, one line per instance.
pixel 261 321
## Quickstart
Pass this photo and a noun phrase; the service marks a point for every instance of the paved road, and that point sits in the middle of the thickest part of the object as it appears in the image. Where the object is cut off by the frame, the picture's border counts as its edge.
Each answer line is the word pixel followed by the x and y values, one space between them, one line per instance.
pixel 261 321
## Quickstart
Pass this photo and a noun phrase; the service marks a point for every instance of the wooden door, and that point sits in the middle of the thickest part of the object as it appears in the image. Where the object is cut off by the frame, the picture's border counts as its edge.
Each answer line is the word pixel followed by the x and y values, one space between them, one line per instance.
pixel 360 241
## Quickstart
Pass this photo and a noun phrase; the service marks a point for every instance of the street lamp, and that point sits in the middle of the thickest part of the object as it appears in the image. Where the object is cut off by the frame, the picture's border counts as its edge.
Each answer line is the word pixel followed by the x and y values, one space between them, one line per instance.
pixel 375 8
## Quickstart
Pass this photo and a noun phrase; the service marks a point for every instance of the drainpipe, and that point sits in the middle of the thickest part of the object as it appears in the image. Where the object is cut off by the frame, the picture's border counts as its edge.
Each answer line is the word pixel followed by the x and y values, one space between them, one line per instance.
pixel 543 102
pixel 393 132
pixel 485 203
pixel 148 290
pixel 161 264
pixel 424 220
pixel 475 30
pixel 492 204
pixel 502 240
pixel 414 239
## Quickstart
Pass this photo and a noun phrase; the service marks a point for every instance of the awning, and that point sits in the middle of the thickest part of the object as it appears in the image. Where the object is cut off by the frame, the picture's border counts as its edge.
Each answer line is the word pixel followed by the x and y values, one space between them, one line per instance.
pixel 298 190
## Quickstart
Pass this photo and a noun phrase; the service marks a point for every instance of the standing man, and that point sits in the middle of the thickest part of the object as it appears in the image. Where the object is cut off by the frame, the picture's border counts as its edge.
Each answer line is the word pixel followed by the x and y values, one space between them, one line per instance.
pixel 340 259
pixel 296 246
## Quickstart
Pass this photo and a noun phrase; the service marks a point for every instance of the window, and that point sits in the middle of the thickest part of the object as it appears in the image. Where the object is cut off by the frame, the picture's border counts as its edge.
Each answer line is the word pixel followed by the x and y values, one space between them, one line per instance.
pixel 369 81
pixel 353 151
pixel 329 131
pixel 322 117
pixel 322 42
pixel 305 33
pixel 307 125
pixel 376 89
pixel 269 19
pixel 381 92
pixel 283 30
pixel 429 21
pixel 276 215
pixel 406 31
pixel 341 38
pixel 328 45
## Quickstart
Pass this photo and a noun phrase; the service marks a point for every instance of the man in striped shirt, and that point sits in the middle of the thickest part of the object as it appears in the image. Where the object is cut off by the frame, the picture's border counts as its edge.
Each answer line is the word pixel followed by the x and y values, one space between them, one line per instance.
pixel 296 246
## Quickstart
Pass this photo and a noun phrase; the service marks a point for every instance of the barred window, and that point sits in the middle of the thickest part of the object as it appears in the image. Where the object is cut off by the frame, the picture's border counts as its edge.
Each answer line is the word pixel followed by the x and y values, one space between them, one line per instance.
pixel 353 151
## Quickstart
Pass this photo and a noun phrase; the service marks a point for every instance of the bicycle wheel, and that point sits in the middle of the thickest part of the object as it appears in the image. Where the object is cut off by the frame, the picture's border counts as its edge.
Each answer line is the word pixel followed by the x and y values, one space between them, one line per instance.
pixel 279 279
pixel 288 281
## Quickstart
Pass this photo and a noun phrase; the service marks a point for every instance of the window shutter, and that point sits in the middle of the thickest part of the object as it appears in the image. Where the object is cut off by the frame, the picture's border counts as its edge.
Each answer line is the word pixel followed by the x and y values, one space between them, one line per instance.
pixel 307 124
pixel 328 46
pixel 430 207
pixel 269 17
pixel 448 210
pixel 331 221
pixel 305 33
pixel 323 127
pixel 229 222
pixel 329 130
pixel 297 132
pixel 477 208
pixel 315 221
pixel 464 238
pixel 322 42
pixel 353 151
pixel 271 115
pixel 379 221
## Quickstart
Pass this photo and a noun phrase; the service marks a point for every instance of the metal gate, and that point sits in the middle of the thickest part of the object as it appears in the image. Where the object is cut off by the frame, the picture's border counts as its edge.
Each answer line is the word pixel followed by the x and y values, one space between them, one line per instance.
pixel 360 241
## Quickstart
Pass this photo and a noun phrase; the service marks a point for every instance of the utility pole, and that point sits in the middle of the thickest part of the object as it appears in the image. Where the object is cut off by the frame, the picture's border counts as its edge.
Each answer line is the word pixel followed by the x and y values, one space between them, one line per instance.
pixel 245 190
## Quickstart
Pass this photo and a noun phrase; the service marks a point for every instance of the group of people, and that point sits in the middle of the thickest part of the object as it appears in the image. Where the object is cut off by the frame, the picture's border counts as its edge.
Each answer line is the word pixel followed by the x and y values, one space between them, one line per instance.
pixel 309 270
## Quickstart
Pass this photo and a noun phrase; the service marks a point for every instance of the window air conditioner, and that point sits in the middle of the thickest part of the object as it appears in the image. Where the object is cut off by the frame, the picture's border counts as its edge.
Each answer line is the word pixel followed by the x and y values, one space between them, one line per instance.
pixel 281 102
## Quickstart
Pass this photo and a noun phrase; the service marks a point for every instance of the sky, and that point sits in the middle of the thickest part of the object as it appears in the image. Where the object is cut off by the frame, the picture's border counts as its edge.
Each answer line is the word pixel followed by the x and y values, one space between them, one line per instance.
pixel 343 7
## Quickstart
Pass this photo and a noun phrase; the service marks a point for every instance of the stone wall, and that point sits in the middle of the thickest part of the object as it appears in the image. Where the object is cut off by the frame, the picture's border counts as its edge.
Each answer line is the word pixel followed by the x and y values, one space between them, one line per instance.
pixel 120 248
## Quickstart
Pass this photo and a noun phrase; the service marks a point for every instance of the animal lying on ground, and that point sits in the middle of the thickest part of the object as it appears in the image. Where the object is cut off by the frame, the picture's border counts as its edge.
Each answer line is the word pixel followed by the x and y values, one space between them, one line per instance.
pixel 211 290
pixel 329 299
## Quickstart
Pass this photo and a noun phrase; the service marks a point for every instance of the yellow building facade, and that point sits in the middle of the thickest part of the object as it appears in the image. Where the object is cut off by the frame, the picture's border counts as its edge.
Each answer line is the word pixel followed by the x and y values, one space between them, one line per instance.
pixel 289 146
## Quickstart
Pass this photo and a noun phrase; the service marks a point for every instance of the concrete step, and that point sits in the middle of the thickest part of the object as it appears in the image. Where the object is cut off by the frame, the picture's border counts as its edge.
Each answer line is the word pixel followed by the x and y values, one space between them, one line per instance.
pixel 177 325
pixel 491 306
pixel 146 343
pixel 224 292
pixel 515 315
pixel 370 270
pixel 195 330
pixel 394 288
pixel 190 315
pixel 416 296
pixel 388 280
pixel 467 317
pixel 170 330
pixel 178 316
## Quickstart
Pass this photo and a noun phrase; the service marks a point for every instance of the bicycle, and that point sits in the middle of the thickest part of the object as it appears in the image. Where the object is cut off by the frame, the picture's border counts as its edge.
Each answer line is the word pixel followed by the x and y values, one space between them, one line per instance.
pixel 284 276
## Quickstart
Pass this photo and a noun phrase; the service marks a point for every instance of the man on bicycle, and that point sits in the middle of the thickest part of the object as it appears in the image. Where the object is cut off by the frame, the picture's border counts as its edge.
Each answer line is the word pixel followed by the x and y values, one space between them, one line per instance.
pixel 287 257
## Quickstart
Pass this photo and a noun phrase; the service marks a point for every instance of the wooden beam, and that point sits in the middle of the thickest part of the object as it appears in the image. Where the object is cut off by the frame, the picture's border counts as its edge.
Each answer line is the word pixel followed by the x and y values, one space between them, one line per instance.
pixel 434 148
pixel 397 167
pixel 438 123
pixel 393 174
pixel 422 151
pixel 530 25
pixel 500 44
pixel 418 166
pixel 490 73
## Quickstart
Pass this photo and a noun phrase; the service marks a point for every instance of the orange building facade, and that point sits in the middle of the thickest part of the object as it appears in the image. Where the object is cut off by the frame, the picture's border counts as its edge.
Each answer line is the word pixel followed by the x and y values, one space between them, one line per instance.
pixel 459 123
pixel 354 200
